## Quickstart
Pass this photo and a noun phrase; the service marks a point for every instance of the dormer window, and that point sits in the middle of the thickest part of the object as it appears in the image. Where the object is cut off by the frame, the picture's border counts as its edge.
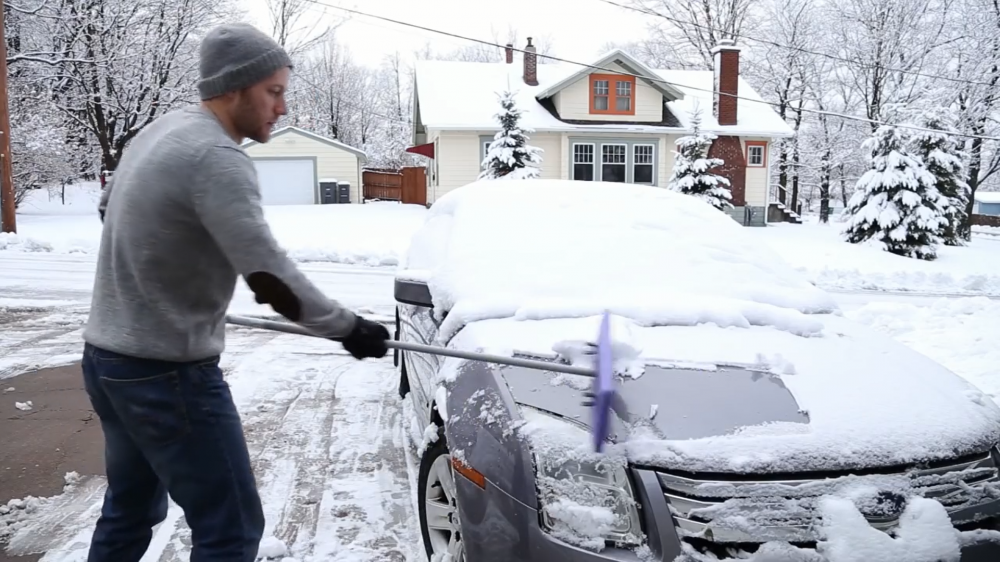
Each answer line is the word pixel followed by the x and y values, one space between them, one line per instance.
pixel 612 94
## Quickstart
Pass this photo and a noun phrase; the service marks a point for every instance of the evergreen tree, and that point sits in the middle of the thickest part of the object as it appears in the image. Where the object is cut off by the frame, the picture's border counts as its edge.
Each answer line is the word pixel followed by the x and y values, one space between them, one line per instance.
pixel 510 156
pixel 942 155
pixel 895 204
pixel 692 173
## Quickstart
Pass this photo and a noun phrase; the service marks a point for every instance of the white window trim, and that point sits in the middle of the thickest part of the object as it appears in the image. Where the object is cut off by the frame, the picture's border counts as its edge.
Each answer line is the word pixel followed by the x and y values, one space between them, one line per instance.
pixel 573 162
pixel 652 154
pixel 763 156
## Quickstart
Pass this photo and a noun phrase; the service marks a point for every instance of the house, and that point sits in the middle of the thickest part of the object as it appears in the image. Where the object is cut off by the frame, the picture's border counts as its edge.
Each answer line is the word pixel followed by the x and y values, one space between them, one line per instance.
pixel 614 120
pixel 295 164
pixel 987 203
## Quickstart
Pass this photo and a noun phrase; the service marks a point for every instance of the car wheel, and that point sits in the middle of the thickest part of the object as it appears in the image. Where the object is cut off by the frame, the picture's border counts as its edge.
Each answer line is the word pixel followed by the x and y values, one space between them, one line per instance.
pixel 438 504
pixel 404 379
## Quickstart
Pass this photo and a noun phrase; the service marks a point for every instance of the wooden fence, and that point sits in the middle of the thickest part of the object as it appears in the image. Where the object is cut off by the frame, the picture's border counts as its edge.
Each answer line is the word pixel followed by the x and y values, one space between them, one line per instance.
pixel 408 185
pixel 986 220
pixel 382 185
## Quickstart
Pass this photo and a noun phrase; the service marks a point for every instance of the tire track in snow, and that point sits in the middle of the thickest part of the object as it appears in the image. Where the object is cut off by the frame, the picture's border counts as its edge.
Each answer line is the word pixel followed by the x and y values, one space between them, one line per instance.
pixel 366 512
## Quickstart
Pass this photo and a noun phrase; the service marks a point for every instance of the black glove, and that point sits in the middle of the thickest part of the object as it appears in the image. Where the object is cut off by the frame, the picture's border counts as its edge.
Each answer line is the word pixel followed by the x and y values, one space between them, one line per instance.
pixel 367 339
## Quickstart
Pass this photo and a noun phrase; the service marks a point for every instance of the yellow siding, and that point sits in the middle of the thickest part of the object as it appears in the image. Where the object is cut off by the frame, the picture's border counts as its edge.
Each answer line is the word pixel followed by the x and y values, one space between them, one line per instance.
pixel 564 156
pixel 573 102
pixel 551 143
pixel 458 161
pixel 458 158
pixel 667 147
pixel 757 178
pixel 331 162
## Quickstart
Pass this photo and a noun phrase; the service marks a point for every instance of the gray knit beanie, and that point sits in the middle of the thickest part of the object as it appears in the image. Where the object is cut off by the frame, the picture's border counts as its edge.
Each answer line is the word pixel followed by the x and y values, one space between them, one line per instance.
pixel 236 56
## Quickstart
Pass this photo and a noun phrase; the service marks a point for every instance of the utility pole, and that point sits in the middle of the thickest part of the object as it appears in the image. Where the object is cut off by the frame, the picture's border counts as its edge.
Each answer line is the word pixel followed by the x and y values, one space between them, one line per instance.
pixel 9 217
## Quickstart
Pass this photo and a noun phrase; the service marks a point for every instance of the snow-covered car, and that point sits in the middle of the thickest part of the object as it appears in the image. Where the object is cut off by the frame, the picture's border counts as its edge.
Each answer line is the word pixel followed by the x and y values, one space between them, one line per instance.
pixel 754 420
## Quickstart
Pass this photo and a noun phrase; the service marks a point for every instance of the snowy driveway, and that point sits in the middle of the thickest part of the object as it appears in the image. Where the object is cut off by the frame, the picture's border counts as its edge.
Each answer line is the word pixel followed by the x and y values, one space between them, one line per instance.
pixel 326 432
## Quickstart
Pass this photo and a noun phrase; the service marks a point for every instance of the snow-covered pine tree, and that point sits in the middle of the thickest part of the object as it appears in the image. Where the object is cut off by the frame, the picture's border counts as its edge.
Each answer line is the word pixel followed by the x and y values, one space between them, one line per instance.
pixel 942 155
pixel 692 173
pixel 510 156
pixel 895 204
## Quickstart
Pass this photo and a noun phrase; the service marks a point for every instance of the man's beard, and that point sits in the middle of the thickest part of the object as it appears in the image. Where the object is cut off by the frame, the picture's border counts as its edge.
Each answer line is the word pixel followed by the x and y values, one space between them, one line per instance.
pixel 245 120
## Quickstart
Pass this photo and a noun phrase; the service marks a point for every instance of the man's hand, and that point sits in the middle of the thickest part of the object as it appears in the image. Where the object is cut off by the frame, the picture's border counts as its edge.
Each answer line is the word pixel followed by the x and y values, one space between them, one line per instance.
pixel 367 339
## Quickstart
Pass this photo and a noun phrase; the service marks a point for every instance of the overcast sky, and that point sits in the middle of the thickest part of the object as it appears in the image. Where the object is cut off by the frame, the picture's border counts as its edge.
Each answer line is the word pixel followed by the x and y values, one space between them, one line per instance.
pixel 578 28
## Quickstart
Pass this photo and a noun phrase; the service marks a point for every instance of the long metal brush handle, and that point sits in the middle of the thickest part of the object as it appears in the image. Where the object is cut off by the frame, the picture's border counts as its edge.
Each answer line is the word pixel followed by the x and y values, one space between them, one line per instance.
pixel 289 328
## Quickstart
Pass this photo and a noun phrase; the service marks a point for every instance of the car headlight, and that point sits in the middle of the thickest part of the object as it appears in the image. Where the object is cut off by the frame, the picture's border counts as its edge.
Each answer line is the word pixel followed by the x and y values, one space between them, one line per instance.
pixel 585 498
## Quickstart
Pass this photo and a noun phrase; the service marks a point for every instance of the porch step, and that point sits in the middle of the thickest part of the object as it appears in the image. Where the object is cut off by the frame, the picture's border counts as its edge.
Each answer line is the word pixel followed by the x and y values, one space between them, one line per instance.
pixel 778 212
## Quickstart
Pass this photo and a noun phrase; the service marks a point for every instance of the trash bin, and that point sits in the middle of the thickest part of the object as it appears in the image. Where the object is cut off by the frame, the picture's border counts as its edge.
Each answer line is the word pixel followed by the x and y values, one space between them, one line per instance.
pixel 328 191
pixel 343 192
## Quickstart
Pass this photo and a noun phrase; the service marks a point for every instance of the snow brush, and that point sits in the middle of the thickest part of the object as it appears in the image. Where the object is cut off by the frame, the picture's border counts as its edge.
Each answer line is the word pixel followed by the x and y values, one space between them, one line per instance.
pixel 603 394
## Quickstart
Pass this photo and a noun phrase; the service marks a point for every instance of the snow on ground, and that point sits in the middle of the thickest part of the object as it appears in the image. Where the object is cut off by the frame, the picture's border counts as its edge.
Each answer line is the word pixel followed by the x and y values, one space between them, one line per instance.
pixel 49 295
pixel 370 234
pixel 330 448
pixel 962 334
pixel 820 253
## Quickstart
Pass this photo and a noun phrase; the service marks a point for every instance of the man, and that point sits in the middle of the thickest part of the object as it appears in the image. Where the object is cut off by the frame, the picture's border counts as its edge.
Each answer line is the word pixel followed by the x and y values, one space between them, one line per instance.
pixel 182 222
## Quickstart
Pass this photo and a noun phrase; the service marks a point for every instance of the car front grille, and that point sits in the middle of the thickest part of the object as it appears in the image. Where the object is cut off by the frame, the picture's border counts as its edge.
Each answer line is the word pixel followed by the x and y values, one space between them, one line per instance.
pixel 757 509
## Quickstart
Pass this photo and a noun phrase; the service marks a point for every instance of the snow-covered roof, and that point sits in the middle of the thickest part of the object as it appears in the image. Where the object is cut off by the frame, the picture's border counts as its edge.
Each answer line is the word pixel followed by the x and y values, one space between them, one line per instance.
pixel 456 95
pixel 318 138
pixel 988 196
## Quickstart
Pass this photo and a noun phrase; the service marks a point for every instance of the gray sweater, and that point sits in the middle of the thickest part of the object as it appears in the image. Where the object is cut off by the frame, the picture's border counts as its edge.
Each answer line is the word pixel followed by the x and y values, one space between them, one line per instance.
pixel 182 222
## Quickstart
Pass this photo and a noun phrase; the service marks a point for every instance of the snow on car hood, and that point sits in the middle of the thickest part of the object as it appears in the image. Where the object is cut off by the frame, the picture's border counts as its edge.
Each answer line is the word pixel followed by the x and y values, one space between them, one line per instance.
pixel 843 398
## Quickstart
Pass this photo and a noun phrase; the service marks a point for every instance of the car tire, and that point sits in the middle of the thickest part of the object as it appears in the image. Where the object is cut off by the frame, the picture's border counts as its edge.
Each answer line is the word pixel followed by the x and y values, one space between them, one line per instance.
pixel 436 487
pixel 404 379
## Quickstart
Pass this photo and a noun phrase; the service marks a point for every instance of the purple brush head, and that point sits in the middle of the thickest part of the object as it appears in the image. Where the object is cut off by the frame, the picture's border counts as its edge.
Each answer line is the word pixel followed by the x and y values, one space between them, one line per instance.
pixel 604 385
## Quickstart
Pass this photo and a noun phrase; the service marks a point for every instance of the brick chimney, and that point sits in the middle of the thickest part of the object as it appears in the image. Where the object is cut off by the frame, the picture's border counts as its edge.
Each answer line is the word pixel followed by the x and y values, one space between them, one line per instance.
pixel 510 53
pixel 726 66
pixel 530 65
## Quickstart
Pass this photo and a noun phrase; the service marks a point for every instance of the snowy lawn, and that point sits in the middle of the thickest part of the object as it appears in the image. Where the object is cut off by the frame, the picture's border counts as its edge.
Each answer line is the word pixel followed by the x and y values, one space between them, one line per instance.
pixel 819 252
pixel 373 234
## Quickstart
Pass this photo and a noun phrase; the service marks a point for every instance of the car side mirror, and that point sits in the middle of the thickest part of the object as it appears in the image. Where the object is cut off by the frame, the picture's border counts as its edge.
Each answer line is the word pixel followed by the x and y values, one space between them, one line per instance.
pixel 415 293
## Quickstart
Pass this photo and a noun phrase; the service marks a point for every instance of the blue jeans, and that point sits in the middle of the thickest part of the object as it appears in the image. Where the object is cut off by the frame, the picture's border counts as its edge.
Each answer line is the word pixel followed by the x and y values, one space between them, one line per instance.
pixel 171 428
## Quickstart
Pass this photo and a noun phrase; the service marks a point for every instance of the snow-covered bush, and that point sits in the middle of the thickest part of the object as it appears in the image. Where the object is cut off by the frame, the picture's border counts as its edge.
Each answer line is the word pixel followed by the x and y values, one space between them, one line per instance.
pixel 692 173
pixel 941 154
pixel 510 156
pixel 895 205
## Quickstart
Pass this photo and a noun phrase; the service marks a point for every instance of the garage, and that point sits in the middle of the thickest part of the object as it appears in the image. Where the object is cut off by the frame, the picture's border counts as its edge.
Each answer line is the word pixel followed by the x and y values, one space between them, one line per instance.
pixel 293 162
pixel 286 181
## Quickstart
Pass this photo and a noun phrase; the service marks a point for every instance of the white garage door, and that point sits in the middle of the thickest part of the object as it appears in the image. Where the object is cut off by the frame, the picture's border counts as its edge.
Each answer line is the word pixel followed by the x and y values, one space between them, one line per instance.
pixel 286 182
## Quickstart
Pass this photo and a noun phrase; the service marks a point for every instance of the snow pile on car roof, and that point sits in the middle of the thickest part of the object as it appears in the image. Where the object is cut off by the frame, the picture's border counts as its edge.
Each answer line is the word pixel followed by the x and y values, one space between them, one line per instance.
pixel 537 249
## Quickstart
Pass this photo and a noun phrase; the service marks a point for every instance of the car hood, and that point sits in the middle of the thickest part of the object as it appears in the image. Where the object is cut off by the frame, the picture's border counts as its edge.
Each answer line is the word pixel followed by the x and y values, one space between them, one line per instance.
pixel 759 400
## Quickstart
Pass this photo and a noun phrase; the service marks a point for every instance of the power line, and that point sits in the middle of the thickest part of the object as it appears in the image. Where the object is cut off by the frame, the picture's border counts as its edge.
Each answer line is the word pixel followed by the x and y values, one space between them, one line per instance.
pixel 657 79
pixel 678 21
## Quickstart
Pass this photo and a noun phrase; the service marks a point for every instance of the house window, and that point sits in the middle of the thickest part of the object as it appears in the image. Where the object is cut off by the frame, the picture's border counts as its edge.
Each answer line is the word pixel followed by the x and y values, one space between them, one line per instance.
pixel 612 94
pixel 583 162
pixel 613 162
pixel 756 154
pixel 642 163
pixel 623 96
pixel 601 91
pixel 486 150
